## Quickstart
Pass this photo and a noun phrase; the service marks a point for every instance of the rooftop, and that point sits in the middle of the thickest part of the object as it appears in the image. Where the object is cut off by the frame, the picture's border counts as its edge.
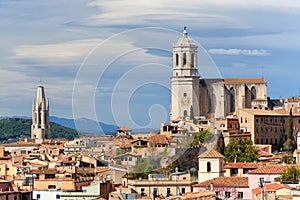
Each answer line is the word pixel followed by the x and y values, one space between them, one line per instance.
pixel 271 187
pixel 235 182
pixel 211 154
pixel 243 80
pixel 272 169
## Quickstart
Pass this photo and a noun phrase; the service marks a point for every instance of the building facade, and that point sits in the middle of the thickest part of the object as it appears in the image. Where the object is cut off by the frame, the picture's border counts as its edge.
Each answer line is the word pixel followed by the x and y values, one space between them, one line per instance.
pixel 195 96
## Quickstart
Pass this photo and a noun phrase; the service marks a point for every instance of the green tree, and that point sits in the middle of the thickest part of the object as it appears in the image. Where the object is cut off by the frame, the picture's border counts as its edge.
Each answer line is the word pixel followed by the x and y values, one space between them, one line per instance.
pixel 292 175
pixel 241 151
pixel 289 145
pixel 201 136
pixel 192 115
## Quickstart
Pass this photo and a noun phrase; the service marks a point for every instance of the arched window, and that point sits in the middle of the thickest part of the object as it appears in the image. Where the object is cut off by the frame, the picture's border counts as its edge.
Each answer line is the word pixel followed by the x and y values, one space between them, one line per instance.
pixel 176 59
pixel 211 103
pixel 185 113
pixel 192 60
pixel 184 59
pixel 253 93
pixel 232 100
pixel 208 167
pixel 176 74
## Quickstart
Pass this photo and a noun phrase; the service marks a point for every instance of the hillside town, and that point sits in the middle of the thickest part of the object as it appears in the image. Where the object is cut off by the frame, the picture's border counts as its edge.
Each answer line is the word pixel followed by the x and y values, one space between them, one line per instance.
pixel 172 163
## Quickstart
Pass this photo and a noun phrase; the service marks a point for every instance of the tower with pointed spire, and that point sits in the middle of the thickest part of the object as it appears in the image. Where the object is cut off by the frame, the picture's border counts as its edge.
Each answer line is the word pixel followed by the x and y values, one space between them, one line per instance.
pixel 40 128
pixel 185 78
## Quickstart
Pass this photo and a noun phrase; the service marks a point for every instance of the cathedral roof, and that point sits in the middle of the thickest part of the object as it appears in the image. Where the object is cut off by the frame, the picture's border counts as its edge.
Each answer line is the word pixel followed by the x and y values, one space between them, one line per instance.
pixel 185 41
pixel 244 80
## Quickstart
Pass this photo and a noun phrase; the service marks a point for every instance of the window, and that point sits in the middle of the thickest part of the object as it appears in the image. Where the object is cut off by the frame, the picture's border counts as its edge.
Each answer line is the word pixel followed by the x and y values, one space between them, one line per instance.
pixel 184 59
pixel 227 194
pixel 245 171
pixel 240 195
pixel 38 196
pixel 176 59
pixel 184 94
pixel 184 113
pixel 232 100
pixel 262 141
pixel 234 171
pixel 253 93
pixel 208 167
pixel 155 192
pixel 130 158
pixel 241 120
pixel 143 192
pixel 51 186
pixel 57 196
pixel 267 142
pixel 182 190
pixel 168 192
pixel 192 60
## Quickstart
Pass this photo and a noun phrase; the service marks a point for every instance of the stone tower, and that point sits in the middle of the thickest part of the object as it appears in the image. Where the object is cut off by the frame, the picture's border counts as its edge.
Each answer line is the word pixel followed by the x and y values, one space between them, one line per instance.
pixel 185 78
pixel 40 128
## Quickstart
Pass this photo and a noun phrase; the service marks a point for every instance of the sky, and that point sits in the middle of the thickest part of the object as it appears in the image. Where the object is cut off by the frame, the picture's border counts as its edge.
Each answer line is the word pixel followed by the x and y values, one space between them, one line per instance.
pixel 111 60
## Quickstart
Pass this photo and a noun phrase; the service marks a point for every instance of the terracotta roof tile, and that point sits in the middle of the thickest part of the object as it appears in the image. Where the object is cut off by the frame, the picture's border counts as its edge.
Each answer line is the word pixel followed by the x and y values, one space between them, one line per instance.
pixel 199 194
pixel 243 80
pixel 272 187
pixel 235 182
pixel 272 169
pixel 242 165
pixel 211 154
pixel 158 139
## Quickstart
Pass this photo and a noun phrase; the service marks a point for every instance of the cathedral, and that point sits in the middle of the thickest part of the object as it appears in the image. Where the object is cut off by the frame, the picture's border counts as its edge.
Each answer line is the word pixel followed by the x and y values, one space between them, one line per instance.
pixel 210 98
pixel 40 128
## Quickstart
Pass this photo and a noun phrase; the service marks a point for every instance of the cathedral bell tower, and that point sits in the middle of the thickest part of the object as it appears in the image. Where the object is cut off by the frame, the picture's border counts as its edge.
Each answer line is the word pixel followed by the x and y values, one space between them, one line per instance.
pixel 40 128
pixel 185 79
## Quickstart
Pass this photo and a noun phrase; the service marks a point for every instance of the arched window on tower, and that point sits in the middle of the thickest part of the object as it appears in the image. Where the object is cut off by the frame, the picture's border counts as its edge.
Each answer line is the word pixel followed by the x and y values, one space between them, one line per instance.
pixel 253 93
pixel 232 100
pixel 208 167
pixel 185 113
pixel 192 60
pixel 184 59
pixel 176 59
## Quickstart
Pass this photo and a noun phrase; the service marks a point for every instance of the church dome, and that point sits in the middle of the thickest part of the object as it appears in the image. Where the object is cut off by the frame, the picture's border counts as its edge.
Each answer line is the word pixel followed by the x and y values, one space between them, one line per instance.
pixel 185 41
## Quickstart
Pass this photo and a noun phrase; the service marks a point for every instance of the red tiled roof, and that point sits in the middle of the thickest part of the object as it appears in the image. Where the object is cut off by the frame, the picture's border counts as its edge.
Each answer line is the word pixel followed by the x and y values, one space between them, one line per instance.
pixel 199 194
pixel 241 165
pixel 158 139
pixel 272 169
pixel 211 154
pixel 272 187
pixel 235 182
pixel 243 80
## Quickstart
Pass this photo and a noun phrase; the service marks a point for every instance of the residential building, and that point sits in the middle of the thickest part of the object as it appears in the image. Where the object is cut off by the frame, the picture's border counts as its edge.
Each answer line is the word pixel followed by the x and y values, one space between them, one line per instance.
pixel 161 185
pixel 267 126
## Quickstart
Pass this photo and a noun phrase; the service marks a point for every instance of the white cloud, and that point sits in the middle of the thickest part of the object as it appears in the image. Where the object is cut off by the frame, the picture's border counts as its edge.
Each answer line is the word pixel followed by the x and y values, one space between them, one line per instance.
pixel 245 52
pixel 58 51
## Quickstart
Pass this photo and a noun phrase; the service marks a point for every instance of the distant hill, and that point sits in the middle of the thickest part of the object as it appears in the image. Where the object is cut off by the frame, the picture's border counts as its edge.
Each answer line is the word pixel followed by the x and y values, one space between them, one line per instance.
pixel 86 125
pixel 11 129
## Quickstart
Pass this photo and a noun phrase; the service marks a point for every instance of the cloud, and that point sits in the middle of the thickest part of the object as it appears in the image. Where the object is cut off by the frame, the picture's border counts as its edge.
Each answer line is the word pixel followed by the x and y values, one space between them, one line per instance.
pixel 245 52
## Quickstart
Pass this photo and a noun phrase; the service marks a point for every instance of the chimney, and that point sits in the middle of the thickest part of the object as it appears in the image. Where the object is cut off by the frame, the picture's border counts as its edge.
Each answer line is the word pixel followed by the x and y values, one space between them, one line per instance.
pixel 211 186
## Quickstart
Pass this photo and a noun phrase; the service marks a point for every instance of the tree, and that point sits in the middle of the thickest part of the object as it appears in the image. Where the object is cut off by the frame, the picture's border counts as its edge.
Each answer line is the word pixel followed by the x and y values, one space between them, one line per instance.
pixel 192 113
pixel 201 136
pixel 241 151
pixel 289 145
pixel 292 175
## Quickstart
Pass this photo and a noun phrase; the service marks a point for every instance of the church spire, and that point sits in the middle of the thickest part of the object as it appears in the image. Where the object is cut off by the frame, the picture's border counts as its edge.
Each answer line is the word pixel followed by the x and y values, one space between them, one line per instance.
pixel 40 128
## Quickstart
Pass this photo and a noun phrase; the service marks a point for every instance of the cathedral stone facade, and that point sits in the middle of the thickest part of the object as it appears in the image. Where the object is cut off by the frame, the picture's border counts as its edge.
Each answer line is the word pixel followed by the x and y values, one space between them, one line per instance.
pixel 212 98
pixel 40 128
